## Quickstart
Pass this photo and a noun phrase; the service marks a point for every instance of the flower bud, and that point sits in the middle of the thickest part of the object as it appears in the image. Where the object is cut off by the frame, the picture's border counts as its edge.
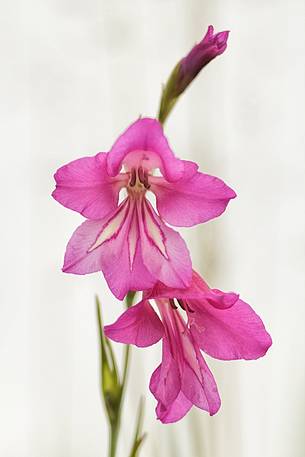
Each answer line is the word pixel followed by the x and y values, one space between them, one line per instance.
pixel 188 68
pixel 202 53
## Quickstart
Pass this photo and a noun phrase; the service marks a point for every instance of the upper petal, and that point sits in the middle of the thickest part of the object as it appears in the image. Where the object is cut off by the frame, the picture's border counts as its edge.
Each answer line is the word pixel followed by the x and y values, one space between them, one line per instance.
pixel 165 253
pixel 139 325
pixel 197 289
pixel 84 186
pixel 145 139
pixel 232 333
pixel 192 199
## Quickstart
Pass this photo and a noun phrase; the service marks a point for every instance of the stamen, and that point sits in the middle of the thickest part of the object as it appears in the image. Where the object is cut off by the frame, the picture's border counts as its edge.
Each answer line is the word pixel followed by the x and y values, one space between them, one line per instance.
pixel 145 182
pixel 143 177
pixel 181 303
pixel 133 177
pixel 190 310
pixel 172 303
pixel 184 305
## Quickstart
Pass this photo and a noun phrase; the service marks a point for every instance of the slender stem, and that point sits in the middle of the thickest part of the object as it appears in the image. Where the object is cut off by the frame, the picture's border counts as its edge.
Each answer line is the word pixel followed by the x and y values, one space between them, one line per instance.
pixel 125 369
pixel 113 437
pixel 114 426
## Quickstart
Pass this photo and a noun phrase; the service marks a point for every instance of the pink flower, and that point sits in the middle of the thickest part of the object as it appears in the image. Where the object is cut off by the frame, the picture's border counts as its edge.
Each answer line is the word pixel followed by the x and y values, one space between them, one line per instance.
pixel 218 323
pixel 129 241
pixel 200 55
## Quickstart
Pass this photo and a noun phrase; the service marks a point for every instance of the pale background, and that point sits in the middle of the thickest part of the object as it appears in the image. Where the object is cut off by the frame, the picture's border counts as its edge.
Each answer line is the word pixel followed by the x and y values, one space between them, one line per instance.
pixel 74 74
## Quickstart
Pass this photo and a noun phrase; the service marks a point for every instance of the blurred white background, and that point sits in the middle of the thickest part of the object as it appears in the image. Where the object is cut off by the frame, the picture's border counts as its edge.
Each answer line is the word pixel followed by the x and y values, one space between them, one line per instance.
pixel 74 74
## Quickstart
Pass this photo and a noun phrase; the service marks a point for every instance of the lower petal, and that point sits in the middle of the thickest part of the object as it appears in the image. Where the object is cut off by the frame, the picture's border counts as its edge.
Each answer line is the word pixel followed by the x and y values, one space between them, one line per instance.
pixel 165 253
pixel 105 245
pixel 77 258
pixel 165 380
pixel 197 381
pixel 176 411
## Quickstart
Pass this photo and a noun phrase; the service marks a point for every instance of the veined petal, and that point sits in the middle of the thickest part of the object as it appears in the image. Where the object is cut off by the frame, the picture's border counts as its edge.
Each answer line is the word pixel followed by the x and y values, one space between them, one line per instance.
pixel 105 245
pixel 113 225
pixel 165 381
pixel 144 143
pixel 165 253
pixel 233 333
pixel 197 381
pixel 200 389
pixel 78 259
pixel 139 325
pixel 84 186
pixel 191 200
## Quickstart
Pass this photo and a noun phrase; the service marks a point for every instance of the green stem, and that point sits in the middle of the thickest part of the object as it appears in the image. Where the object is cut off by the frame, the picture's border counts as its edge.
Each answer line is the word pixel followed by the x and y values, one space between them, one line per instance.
pixel 116 423
pixel 113 437
pixel 125 369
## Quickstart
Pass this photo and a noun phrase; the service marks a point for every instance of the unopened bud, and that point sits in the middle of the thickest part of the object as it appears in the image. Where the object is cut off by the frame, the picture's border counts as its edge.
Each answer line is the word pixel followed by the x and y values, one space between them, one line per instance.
pixel 188 68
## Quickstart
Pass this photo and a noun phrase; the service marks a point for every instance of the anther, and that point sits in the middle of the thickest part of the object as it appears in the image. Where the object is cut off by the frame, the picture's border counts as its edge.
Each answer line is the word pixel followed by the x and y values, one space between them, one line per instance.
pixel 145 182
pixel 172 303
pixel 133 178
pixel 143 177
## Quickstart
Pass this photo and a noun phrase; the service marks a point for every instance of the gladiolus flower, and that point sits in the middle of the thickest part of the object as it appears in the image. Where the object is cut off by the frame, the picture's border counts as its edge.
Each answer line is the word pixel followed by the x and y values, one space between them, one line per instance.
pixel 218 323
pixel 129 241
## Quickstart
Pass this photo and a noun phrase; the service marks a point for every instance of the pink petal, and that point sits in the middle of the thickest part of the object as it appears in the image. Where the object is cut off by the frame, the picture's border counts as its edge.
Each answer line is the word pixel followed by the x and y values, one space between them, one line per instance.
pixel 196 290
pixel 191 200
pixel 197 381
pixel 77 258
pixel 110 245
pixel 201 389
pixel 84 186
pixel 139 325
pixel 175 411
pixel 165 254
pixel 145 140
pixel 228 334
pixel 165 380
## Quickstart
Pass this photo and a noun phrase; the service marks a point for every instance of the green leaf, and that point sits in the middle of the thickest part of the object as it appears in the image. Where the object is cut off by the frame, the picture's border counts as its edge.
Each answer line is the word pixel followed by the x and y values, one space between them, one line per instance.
pixel 138 436
pixel 110 381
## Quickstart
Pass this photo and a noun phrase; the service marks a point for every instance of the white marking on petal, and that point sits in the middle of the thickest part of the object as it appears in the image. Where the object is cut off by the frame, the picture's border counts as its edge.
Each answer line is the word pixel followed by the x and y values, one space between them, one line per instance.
pixel 113 226
pixel 133 237
pixel 153 229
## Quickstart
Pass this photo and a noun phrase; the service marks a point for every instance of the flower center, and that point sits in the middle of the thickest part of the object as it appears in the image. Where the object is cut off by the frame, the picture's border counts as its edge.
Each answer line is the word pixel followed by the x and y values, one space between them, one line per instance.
pixel 138 180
